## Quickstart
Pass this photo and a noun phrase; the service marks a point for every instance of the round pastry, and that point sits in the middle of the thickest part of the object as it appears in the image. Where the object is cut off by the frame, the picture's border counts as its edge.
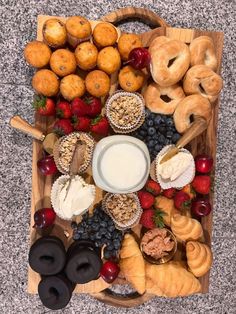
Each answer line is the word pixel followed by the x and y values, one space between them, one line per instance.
pixel 63 62
pixel 169 62
pixel 109 60
pixel 163 100
pixel 86 55
pixel 45 82
pixel 78 30
pixel 83 262
pixel 55 291
pixel 157 42
pixel 37 54
pixel 131 79
pixel 47 256
pixel 97 83
pixel 194 105
pixel 202 51
pixel 128 42
pixel 54 33
pixel 72 86
pixel 105 34
pixel 200 79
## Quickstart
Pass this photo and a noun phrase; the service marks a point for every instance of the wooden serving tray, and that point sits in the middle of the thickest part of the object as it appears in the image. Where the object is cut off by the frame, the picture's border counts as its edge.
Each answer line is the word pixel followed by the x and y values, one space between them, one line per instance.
pixel 41 185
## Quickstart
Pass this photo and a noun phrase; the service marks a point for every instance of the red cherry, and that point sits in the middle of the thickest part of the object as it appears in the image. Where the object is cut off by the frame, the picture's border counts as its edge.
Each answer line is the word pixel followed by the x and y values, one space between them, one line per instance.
pixel 47 166
pixel 139 58
pixel 201 207
pixel 203 163
pixel 109 271
pixel 44 217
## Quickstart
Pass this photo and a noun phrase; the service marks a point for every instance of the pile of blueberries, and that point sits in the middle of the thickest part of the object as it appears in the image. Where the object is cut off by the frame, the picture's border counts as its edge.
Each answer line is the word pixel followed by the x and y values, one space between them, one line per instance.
pixel 157 131
pixel 101 229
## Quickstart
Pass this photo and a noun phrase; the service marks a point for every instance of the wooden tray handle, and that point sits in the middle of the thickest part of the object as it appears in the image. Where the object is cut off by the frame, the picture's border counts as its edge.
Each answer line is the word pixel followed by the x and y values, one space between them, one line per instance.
pixel 147 16
pixel 20 124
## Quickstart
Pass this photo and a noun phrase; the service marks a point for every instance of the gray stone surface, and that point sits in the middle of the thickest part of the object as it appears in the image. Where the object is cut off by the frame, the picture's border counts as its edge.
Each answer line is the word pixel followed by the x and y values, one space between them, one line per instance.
pixel 18 26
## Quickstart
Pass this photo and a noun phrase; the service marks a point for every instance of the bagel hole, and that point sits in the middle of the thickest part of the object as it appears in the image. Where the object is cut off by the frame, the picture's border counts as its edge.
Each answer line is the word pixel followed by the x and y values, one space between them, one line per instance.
pixel 46 259
pixel 191 118
pixel 171 61
pixel 53 291
pixel 165 98
pixel 84 266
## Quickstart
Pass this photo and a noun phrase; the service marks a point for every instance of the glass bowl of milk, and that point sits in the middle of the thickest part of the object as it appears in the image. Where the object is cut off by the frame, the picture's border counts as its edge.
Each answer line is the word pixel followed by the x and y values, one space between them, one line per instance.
pixel 120 164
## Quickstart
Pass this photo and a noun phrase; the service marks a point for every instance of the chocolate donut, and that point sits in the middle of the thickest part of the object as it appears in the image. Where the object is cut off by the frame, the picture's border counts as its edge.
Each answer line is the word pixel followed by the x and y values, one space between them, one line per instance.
pixel 83 262
pixel 47 256
pixel 55 291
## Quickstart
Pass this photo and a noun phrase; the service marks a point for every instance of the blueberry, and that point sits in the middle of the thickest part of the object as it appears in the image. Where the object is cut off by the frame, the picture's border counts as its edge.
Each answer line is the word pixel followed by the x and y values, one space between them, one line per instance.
pixel 92 237
pixel 116 244
pixel 111 228
pixel 84 236
pixel 145 126
pixel 143 133
pixel 103 231
pixel 108 235
pixel 89 221
pixel 110 222
pixel 103 224
pixel 98 243
pixel 162 129
pixel 98 235
pixel 73 225
pixel 152 115
pixel 116 234
pixel 175 137
pixel 169 121
pixel 76 236
pixel 95 226
pixel 157 120
pixel 161 139
pixel 113 253
pixel 150 123
pixel 151 131
pixel 85 216
pixel 169 134
pixel 107 254
pixel 157 147
pixel 151 144
pixel 110 247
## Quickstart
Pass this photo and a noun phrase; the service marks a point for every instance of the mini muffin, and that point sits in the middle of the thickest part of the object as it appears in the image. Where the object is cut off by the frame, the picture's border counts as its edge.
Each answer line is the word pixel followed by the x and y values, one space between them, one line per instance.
pixel 97 83
pixel 37 54
pixel 131 79
pixel 72 86
pixel 46 83
pixel 63 62
pixel 78 30
pixel 128 42
pixel 86 55
pixel 109 60
pixel 54 33
pixel 104 34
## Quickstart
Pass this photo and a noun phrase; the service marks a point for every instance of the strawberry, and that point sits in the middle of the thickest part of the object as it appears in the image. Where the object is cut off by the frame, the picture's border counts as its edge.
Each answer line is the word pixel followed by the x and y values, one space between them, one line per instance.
pixel 81 123
pixel 152 218
pixel 44 105
pixel 169 193
pixel 140 193
pixel 202 184
pixel 153 187
pixel 63 110
pixel 94 106
pixel 100 126
pixel 189 190
pixel 63 127
pixel 182 200
pixel 146 199
pixel 79 107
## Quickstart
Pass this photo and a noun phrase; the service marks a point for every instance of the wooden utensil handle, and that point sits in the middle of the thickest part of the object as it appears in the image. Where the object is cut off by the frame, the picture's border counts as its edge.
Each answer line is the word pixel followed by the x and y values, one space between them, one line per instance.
pixel 197 127
pixel 20 124
pixel 147 16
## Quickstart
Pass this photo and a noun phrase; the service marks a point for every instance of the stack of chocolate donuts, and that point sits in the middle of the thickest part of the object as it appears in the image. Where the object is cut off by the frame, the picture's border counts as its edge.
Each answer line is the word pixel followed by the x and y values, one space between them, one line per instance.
pixel 60 270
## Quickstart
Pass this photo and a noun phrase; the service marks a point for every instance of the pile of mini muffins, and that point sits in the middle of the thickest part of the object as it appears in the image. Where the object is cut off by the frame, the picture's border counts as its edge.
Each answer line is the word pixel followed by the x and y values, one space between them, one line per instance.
pixel 75 58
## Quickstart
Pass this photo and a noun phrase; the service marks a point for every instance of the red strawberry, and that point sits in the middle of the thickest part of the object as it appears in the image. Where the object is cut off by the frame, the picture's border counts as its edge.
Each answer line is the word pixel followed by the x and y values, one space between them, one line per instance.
pixel 94 106
pixel 169 193
pixel 63 110
pixel 79 107
pixel 44 106
pixel 63 127
pixel 81 123
pixel 140 193
pixel 182 200
pixel 100 125
pixel 146 199
pixel 152 218
pixel 202 184
pixel 153 187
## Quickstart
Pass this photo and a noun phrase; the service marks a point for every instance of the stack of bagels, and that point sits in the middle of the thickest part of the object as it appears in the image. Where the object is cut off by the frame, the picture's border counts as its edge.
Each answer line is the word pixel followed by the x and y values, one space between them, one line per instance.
pixel 185 82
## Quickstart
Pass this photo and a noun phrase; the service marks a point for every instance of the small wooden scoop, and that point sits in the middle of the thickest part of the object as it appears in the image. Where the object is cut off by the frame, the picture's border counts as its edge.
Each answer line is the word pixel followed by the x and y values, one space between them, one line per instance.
pixel 197 127
pixel 48 140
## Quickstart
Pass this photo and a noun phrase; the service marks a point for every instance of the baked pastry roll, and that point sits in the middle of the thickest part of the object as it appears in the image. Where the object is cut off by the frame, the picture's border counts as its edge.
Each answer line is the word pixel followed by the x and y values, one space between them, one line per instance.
pixel 128 42
pixel 97 83
pixel 63 62
pixel 104 34
pixel 72 86
pixel 54 33
pixel 37 54
pixel 186 228
pixel 130 79
pixel 86 55
pixel 46 83
pixel 78 30
pixel 109 60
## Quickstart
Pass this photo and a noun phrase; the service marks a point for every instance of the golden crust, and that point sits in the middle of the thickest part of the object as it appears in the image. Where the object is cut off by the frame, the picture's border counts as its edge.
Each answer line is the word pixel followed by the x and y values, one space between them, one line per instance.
pixel 37 54
pixel 126 43
pixel 131 79
pixel 158 42
pixel 45 82
pixel 54 33
pixel 167 206
pixel 86 55
pixel 109 60
pixel 105 34
pixel 72 86
pixel 63 62
pixel 79 27
pixel 186 228
pixel 97 83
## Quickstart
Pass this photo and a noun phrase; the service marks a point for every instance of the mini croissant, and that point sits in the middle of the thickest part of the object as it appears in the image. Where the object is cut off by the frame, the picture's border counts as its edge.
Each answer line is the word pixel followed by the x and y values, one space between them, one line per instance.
pixel 199 258
pixel 170 280
pixel 186 228
pixel 167 206
pixel 132 263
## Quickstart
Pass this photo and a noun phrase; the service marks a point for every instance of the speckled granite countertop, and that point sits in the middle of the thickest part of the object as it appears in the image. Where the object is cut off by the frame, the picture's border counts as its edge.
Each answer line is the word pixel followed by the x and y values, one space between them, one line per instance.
pixel 18 26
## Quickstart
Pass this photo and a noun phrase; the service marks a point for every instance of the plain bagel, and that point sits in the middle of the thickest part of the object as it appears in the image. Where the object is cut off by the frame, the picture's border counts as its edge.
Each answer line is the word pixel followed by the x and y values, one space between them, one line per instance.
pixel 200 79
pixel 194 105
pixel 157 42
pixel 169 62
pixel 163 100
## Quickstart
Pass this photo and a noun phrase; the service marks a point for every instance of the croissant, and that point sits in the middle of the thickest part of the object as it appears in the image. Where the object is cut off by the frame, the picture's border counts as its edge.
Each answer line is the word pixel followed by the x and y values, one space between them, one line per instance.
pixel 199 258
pixel 132 263
pixel 186 228
pixel 170 280
pixel 167 206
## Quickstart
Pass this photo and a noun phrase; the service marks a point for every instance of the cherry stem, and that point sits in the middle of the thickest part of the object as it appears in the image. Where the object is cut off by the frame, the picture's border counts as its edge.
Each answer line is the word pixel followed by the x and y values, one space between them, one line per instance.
pixel 127 62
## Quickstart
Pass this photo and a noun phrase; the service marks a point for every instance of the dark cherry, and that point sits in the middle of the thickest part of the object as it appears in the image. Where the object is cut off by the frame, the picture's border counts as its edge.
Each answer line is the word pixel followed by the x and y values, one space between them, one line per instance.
pixel 203 163
pixel 201 207
pixel 44 218
pixel 109 271
pixel 47 166
pixel 139 58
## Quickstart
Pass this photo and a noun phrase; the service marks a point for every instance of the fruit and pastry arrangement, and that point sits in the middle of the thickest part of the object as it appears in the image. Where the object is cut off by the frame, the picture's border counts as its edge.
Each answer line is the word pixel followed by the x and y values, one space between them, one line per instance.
pixel 114 141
